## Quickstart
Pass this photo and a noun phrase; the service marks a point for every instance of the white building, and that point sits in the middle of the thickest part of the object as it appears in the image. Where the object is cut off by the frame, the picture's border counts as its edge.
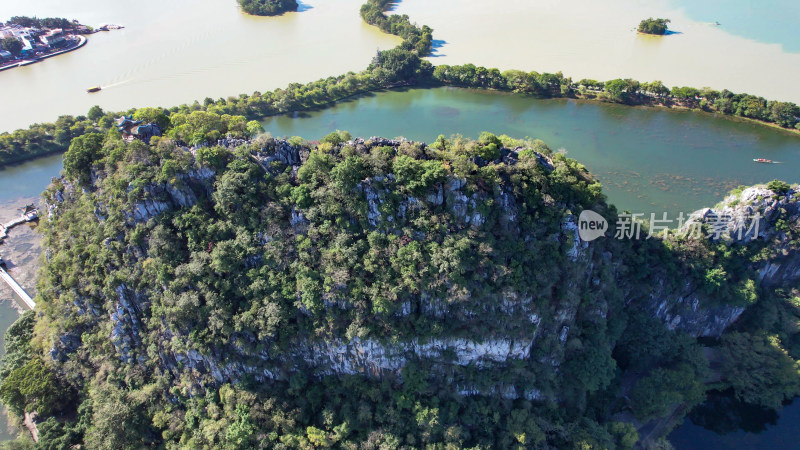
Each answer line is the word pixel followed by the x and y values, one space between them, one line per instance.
pixel 53 37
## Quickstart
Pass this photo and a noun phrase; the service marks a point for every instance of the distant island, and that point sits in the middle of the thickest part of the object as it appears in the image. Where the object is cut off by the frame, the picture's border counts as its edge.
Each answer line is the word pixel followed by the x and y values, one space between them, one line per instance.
pixel 654 26
pixel 26 40
pixel 268 7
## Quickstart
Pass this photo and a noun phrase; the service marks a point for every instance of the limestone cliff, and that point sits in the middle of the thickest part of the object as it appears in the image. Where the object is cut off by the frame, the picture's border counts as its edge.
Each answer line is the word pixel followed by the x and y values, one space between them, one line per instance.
pixel 686 309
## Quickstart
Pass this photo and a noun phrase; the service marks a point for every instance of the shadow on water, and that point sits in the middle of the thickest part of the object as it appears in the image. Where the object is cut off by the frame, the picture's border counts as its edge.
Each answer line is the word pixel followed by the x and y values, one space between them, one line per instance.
pixel 302 7
pixel 723 413
pixel 436 45
pixel 724 422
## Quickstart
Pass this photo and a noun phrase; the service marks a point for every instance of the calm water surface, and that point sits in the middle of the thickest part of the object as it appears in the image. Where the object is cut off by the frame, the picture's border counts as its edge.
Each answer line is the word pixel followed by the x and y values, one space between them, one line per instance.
pixel 591 39
pixel 649 160
pixel 725 424
pixel 179 51
pixel 771 21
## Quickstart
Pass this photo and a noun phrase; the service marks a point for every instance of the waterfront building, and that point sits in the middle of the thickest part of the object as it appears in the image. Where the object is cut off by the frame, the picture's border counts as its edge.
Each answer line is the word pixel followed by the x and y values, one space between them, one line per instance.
pixel 53 38
pixel 136 129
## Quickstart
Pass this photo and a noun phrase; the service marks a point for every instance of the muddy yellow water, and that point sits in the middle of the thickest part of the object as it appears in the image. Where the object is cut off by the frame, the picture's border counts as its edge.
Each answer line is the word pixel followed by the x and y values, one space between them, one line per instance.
pixel 178 51
pixel 592 39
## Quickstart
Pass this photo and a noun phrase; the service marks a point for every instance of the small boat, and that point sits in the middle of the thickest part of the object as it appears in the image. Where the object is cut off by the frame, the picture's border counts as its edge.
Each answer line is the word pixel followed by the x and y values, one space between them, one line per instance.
pixel 93 89
pixel 762 160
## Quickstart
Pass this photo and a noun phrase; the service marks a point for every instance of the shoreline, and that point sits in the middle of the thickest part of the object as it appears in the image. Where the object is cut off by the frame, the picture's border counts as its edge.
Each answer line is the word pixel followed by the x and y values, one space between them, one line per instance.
pixel 82 40
pixel 578 97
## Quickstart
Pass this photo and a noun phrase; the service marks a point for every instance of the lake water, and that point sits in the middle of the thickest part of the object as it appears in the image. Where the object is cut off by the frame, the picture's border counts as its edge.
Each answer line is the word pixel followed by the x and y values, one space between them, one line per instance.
pixel 725 424
pixel 648 160
pixel 184 50
pixel 771 21
pixel 179 51
pixel 754 50
pixel 19 185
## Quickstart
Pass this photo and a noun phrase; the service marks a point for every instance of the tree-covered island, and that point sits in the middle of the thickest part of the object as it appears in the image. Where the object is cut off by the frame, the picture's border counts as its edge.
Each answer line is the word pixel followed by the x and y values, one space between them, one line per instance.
pixel 268 7
pixel 654 26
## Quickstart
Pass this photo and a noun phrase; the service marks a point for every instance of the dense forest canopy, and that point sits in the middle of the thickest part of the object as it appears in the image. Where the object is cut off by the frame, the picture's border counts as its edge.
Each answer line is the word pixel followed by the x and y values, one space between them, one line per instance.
pixel 217 291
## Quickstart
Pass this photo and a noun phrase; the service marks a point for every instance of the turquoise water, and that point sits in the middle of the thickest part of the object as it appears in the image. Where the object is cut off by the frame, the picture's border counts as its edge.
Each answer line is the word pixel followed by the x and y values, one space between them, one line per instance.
pixel 649 160
pixel 770 21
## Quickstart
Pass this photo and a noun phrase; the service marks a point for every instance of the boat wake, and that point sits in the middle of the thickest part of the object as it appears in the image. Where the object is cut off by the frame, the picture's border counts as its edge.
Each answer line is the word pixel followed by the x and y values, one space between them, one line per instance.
pixel 118 83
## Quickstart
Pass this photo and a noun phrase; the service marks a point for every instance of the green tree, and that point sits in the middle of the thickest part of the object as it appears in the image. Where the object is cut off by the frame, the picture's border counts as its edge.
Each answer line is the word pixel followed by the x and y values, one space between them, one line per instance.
pixel 663 389
pixel 654 26
pixel 12 45
pixel 95 113
pixel 254 128
pixel 779 187
pixel 621 90
pixel 31 387
pixel 83 153
pixel 241 431
pixel 153 115
pixel 268 7
pixel 784 114
pixel 399 65
pixel 759 369
pixel 624 433
pixel 214 157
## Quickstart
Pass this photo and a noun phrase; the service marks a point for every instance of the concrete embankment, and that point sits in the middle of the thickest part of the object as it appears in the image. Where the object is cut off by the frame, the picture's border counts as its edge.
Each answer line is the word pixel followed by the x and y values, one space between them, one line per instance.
pixel 17 288
pixel 81 42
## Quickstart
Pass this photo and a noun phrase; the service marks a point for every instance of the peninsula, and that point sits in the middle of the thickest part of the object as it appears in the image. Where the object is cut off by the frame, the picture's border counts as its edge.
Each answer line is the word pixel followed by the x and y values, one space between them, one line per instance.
pixel 26 40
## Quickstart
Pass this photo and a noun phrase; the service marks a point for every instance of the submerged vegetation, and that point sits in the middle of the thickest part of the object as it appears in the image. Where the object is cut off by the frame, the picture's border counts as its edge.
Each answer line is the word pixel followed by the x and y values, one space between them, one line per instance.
pixel 268 7
pixel 654 26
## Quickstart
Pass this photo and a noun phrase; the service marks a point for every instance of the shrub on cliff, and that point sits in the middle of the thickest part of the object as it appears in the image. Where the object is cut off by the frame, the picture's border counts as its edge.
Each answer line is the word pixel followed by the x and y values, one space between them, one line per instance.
pixel 82 154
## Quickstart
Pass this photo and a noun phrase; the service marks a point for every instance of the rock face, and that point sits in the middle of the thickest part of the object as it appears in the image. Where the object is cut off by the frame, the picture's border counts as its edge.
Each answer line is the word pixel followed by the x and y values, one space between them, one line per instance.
pixel 754 214
pixel 685 312
pixel 542 333
pixel 157 199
